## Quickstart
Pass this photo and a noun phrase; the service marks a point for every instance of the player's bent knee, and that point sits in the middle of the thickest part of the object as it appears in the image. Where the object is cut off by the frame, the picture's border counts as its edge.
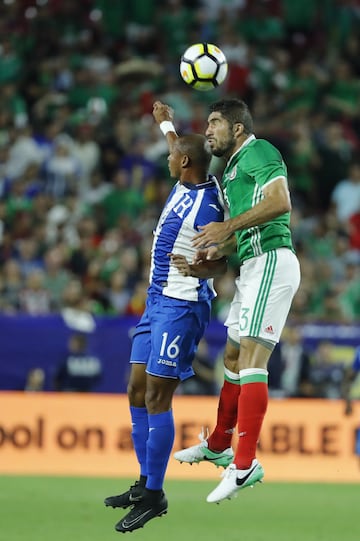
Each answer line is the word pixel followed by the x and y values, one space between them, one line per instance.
pixel 159 394
pixel 157 402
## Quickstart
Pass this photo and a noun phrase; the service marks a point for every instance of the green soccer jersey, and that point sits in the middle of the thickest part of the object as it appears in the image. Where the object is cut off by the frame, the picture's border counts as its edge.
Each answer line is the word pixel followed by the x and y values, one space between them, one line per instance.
pixel 251 168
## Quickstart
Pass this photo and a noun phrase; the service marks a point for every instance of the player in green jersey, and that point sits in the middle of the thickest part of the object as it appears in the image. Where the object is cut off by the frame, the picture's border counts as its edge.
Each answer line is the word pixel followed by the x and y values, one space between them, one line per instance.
pixel 256 191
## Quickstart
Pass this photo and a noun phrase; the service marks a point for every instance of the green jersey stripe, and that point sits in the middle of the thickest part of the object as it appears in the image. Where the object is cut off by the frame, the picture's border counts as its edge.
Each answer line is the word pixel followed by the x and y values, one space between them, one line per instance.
pixel 255 236
pixel 259 297
pixel 263 293
pixel 263 303
pixel 255 240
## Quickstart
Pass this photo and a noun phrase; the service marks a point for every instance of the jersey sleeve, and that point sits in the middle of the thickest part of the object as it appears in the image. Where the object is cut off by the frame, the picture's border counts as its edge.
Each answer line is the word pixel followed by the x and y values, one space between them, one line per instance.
pixel 264 162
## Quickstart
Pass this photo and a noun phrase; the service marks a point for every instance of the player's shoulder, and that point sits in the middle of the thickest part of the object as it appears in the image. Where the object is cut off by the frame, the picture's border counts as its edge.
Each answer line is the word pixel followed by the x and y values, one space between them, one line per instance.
pixel 212 204
pixel 211 188
pixel 262 145
pixel 261 152
pixel 213 200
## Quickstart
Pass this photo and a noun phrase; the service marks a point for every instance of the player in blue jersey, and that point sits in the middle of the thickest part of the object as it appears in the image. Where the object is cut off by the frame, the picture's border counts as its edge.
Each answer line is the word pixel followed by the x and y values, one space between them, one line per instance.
pixel 350 375
pixel 176 316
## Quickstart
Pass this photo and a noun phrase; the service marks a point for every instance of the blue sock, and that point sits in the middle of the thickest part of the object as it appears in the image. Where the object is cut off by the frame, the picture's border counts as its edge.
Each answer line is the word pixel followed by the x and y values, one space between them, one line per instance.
pixel 159 445
pixel 140 434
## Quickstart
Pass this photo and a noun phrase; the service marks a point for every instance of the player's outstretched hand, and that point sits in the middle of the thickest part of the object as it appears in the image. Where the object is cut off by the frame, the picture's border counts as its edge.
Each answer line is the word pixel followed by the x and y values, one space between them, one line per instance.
pixel 162 112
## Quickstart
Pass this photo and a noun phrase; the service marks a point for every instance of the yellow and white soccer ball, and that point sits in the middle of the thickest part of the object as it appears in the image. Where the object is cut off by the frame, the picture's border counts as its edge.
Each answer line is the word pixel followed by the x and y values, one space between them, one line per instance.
pixel 203 66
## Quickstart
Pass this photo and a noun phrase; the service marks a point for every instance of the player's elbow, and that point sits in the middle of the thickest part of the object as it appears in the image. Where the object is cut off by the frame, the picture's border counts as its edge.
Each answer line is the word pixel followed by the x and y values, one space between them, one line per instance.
pixel 287 207
pixel 280 207
pixel 283 204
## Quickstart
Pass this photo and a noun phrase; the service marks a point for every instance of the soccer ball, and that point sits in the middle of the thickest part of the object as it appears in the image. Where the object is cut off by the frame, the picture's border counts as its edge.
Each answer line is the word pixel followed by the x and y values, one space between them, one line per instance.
pixel 203 66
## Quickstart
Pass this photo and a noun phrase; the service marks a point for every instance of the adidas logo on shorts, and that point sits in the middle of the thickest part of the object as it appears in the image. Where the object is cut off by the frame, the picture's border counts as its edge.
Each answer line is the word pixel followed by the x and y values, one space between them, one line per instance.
pixel 269 329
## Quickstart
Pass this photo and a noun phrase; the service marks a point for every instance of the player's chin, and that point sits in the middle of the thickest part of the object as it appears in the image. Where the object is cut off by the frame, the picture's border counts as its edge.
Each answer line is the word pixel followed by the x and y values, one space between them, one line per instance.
pixel 214 149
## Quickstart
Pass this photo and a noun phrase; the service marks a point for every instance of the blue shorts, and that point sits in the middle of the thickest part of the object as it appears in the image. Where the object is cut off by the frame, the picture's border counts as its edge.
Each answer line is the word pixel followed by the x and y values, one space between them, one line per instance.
pixel 167 336
pixel 357 442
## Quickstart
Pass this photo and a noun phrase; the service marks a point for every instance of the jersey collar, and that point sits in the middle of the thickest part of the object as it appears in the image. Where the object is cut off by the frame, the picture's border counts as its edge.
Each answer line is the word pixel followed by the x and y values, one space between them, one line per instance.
pixel 202 186
pixel 245 143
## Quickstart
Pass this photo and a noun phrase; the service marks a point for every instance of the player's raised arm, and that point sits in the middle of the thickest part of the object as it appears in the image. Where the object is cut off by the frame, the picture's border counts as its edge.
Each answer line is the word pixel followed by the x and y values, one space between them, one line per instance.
pixel 164 115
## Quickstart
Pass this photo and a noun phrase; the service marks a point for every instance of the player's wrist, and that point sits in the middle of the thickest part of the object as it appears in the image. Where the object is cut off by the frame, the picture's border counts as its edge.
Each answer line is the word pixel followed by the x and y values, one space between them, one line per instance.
pixel 230 228
pixel 167 126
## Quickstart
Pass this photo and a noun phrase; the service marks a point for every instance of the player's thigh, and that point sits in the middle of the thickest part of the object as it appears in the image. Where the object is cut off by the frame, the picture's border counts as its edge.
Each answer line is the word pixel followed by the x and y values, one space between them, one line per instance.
pixel 253 354
pixel 232 320
pixel 231 355
pixel 176 329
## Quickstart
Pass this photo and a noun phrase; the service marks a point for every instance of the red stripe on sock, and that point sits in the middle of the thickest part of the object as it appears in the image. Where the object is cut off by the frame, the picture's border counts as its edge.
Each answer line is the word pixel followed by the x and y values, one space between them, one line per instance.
pixel 220 439
pixel 253 402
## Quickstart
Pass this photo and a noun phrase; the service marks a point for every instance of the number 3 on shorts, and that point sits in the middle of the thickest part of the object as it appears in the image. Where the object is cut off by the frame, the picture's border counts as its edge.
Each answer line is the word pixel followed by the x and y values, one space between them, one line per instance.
pixel 244 319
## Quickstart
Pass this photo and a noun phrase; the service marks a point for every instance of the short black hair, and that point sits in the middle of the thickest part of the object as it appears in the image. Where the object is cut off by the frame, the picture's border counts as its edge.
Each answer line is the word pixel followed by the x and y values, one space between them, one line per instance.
pixel 197 148
pixel 234 111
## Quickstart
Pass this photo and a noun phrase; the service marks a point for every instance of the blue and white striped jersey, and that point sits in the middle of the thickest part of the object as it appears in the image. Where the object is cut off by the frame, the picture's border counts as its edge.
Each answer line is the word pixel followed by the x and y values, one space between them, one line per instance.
pixel 187 207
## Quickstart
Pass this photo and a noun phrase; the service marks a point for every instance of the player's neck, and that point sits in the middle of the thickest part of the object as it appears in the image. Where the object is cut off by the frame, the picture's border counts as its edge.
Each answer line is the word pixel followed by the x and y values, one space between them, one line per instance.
pixel 193 177
pixel 240 142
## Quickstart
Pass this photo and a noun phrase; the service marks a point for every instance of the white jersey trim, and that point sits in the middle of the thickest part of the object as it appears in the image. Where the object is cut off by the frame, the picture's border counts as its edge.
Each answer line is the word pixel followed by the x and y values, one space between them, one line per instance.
pixel 274 179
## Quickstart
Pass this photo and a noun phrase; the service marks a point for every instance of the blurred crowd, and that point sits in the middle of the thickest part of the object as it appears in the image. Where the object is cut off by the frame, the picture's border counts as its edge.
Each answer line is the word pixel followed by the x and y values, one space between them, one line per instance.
pixel 83 167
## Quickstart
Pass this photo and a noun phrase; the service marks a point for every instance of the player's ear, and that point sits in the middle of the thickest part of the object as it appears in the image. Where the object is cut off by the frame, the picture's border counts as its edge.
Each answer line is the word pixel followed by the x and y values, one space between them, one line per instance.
pixel 238 129
pixel 185 161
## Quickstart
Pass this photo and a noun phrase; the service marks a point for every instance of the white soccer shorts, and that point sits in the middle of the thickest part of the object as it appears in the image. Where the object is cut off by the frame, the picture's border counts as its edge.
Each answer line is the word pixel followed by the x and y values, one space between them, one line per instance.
pixel 264 293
